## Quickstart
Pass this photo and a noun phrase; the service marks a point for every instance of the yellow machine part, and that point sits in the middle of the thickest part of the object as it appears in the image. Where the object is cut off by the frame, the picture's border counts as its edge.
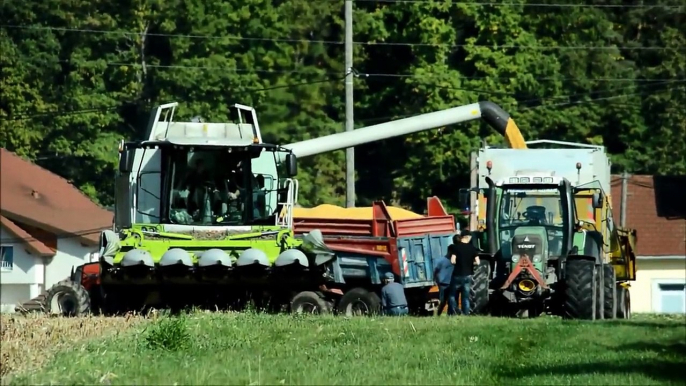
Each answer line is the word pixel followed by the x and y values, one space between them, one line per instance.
pixel 361 213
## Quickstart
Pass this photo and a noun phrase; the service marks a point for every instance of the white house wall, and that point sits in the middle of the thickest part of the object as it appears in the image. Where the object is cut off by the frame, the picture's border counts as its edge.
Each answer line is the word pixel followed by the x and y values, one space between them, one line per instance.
pixel 649 272
pixel 23 281
pixel 70 254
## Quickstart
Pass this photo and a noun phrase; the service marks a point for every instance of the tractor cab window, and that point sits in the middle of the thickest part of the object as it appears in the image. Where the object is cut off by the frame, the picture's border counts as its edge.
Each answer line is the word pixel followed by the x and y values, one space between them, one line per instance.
pixel 211 187
pixel 519 208
pixel 532 207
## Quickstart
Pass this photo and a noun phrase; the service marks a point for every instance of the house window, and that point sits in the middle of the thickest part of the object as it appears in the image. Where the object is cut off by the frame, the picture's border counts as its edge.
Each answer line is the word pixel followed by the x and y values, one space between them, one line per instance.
pixel 7 257
pixel 669 296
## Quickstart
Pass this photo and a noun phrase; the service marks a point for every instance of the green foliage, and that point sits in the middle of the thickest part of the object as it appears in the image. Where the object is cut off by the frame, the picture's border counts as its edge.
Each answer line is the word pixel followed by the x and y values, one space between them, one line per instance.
pixel 167 333
pixel 78 76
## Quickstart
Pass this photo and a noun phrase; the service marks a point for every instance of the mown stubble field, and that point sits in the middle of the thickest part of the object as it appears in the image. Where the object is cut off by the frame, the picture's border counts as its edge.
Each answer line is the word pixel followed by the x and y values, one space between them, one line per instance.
pixel 253 349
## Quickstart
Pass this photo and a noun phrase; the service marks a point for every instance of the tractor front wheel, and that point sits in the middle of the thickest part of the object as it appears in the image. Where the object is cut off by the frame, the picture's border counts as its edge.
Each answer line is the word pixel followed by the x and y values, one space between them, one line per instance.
pixel 478 294
pixel 580 290
pixel 67 298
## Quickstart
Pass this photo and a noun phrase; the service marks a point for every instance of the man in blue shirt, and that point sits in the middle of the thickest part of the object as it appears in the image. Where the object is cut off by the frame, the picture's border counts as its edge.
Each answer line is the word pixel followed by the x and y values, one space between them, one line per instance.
pixel 443 272
pixel 393 300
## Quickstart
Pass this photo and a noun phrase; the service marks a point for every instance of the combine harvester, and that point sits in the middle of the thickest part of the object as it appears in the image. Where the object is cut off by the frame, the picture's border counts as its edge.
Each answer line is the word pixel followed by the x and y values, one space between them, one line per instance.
pixel 204 215
pixel 545 219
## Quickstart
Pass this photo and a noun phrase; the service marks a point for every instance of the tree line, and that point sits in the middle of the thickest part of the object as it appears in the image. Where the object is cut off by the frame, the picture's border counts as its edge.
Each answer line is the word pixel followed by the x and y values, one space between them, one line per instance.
pixel 79 75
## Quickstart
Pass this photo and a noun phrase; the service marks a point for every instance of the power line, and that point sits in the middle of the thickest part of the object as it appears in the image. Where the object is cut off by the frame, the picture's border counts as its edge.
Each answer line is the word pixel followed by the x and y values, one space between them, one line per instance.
pixel 25 116
pixel 335 42
pixel 540 5
pixel 366 75
pixel 562 104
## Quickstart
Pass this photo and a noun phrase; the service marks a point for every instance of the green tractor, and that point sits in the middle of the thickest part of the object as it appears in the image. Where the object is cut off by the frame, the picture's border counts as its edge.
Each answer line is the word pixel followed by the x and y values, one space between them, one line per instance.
pixel 546 259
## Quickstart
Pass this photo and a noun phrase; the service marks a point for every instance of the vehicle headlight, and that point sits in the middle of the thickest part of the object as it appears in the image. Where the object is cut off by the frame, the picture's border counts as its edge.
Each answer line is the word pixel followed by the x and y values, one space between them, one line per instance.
pixel 537 258
pixel 515 259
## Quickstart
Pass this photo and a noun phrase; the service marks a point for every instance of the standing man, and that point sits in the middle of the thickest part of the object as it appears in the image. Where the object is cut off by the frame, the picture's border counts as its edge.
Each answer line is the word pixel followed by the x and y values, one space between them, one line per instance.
pixel 393 300
pixel 464 256
pixel 443 272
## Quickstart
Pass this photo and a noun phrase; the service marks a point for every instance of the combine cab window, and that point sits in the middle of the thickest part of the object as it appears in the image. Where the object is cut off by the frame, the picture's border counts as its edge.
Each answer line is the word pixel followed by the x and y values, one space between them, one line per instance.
pixel 211 187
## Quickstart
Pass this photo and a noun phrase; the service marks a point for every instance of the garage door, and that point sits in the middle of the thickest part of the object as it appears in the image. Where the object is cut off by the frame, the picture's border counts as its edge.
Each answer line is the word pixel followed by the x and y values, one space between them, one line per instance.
pixel 669 296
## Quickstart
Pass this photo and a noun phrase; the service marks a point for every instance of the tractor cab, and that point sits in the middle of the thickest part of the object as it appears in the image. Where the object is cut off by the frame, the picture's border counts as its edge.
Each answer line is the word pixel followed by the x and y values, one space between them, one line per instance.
pixel 530 216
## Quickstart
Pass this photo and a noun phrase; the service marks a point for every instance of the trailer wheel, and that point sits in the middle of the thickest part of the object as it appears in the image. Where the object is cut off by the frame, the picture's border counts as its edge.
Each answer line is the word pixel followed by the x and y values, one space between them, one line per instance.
pixel 478 294
pixel 67 298
pixel 610 289
pixel 580 290
pixel 359 301
pixel 308 302
pixel 623 303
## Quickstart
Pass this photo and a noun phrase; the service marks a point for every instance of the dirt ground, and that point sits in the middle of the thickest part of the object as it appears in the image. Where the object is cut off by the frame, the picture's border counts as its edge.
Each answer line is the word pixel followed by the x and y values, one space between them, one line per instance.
pixel 28 342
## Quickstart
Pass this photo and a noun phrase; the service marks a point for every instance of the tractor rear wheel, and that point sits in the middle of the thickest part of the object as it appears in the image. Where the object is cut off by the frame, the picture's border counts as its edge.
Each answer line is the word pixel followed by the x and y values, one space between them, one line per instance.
pixel 308 302
pixel 580 290
pixel 359 301
pixel 67 298
pixel 610 290
pixel 478 294
pixel 623 303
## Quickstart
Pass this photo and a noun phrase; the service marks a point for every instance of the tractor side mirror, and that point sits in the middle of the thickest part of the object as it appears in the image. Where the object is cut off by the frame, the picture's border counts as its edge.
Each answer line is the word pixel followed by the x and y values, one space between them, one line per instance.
pixel 597 200
pixel 126 160
pixel 291 165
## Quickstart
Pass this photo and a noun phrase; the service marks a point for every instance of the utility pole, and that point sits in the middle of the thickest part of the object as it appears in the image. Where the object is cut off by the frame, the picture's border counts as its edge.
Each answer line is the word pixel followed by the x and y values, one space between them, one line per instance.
pixel 349 118
pixel 625 193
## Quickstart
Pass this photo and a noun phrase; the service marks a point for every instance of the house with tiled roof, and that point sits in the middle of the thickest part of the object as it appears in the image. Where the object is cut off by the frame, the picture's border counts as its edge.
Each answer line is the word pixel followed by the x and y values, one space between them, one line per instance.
pixel 655 207
pixel 47 226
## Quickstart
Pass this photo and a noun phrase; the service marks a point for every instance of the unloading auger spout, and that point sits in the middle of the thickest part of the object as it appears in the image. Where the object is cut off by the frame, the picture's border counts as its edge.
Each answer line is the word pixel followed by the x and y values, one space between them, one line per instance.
pixel 490 112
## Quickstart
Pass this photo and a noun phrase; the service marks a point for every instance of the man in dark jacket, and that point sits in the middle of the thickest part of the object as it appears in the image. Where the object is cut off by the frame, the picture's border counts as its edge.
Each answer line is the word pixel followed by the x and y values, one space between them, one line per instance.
pixel 464 256
pixel 443 272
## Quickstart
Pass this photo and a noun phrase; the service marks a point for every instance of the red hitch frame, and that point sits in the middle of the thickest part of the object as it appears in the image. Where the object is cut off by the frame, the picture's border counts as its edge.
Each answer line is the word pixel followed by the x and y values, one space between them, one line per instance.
pixel 524 264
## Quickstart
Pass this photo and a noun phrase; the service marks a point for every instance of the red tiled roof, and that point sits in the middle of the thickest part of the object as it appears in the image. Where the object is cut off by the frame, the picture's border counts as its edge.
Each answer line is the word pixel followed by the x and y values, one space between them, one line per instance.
pixel 35 196
pixel 32 243
pixel 655 208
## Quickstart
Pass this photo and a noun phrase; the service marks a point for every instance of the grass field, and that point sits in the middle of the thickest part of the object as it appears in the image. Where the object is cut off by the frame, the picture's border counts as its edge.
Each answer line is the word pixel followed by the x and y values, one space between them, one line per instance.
pixel 253 349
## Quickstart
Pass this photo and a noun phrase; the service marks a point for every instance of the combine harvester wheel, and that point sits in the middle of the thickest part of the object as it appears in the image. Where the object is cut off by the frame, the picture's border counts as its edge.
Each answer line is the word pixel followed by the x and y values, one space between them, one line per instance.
pixel 67 298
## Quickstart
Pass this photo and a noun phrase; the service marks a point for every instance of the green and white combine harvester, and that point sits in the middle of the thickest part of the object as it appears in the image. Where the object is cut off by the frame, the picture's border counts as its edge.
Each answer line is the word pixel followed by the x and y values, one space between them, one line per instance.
pixel 546 225
pixel 204 216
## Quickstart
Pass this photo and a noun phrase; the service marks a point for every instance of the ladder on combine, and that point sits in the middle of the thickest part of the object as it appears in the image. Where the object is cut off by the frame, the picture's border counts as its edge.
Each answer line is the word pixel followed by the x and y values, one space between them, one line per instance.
pixel 285 219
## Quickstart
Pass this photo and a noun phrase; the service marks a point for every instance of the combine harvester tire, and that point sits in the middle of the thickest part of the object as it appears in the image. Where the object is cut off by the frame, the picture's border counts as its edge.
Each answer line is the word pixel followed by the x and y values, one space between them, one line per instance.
pixel 610 288
pixel 479 290
pixel 67 298
pixel 359 301
pixel 308 302
pixel 580 290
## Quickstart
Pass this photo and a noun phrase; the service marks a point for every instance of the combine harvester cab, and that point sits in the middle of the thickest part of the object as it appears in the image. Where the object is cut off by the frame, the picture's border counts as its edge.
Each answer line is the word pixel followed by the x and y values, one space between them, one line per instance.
pixel 369 245
pixel 203 217
pixel 546 219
